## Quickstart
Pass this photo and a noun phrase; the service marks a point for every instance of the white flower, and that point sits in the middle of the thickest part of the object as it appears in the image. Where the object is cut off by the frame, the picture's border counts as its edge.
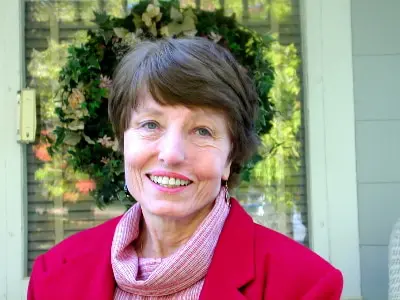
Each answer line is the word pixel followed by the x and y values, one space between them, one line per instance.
pixel 107 142
pixel 215 37
pixel 105 82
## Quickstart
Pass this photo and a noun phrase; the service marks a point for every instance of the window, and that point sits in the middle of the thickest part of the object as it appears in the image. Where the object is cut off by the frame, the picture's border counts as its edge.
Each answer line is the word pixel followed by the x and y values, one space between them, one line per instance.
pixel 58 203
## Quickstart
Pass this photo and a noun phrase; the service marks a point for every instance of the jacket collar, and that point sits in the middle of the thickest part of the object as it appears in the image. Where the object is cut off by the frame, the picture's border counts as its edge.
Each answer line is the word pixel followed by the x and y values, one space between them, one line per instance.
pixel 232 266
pixel 90 275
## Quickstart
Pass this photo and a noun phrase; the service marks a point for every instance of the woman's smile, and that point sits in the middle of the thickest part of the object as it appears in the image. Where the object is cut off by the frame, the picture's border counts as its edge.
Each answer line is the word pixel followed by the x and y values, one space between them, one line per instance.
pixel 169 182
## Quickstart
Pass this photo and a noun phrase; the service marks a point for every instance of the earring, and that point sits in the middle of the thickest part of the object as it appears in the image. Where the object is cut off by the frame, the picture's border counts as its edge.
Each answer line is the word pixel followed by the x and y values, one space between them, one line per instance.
pixel 126 191
pixel 227 196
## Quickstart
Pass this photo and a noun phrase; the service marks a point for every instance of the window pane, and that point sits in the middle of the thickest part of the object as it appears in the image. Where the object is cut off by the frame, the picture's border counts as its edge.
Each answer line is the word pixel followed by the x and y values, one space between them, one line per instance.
pixel 58 202
pixel 276 196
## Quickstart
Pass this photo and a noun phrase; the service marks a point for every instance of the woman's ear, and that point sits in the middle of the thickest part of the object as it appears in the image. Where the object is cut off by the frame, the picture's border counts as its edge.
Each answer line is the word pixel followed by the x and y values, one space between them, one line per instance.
pixel 227 171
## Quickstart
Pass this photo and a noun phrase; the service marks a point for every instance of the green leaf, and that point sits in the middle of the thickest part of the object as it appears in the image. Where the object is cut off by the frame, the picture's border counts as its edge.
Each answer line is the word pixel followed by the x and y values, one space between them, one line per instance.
pixel 175 14
pixel 137 20
pixel 101 18
pixel 72 138
pixel 187 25
pixel 93 62
pixel 121 32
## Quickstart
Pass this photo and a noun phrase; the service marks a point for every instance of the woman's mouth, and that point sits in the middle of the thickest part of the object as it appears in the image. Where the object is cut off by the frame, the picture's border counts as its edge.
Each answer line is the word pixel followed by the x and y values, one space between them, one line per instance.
pixel 169 182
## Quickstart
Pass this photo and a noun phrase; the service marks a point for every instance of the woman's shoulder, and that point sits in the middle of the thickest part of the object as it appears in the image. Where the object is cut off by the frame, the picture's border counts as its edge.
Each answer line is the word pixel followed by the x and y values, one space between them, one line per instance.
pixel 292 270
pixel 271 265
pixel 275 242
pixel 285 254
pixel 64 268
pixel 278 248
pixel 85 241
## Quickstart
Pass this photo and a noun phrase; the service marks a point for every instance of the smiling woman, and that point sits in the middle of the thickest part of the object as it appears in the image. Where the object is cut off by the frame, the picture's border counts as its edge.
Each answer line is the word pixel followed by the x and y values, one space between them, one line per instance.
pixel 195 75
pixel 180 147
pixel 184 112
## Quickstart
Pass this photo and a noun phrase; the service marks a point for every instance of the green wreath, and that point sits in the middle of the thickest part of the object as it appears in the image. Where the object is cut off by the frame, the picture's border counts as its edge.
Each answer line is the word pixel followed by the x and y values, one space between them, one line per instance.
pixel 84 131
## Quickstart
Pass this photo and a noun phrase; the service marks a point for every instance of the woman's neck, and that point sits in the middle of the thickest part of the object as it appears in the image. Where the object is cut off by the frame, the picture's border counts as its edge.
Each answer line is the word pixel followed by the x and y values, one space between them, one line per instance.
pixel 160 237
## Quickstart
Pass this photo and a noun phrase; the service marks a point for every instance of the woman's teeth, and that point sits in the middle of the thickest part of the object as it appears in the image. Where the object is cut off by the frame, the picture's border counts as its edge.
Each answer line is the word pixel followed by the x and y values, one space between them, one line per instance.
pixel 169 181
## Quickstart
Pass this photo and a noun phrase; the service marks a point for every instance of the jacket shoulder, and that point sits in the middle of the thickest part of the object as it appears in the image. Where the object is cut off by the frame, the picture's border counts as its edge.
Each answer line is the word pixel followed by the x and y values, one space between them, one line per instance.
pixel 288 258
pixel 82 255
pixel 93 239
pixel 287 263
pixel 286 252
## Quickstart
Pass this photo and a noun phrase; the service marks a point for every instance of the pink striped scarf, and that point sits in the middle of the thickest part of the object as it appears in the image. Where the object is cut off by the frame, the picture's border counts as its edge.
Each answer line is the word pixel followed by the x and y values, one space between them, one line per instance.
pixel 179 276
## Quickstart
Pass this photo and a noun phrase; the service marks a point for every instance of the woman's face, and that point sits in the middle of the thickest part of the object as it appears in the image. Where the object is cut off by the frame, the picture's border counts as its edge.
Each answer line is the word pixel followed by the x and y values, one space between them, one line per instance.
pixel 175 157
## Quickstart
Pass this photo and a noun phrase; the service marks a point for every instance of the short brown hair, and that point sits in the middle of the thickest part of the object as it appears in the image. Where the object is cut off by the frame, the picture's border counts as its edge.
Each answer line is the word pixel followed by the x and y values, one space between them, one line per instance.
pixel 193 72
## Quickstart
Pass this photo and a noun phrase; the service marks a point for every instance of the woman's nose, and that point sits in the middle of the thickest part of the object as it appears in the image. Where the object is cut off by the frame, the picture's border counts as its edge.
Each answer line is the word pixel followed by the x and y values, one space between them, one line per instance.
pixel 172 148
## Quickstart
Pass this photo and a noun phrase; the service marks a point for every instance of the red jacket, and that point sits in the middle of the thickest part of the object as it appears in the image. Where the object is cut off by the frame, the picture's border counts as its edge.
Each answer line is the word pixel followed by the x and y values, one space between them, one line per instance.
pixel 250 262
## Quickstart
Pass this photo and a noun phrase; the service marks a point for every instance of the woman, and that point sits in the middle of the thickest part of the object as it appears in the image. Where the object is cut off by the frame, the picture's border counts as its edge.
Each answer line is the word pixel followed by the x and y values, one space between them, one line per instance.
pixel 183 112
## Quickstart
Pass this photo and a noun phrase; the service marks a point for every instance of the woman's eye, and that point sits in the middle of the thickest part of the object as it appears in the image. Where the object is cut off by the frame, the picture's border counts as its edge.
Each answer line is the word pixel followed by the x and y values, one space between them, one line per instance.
pixel 150 125
pixel 203 132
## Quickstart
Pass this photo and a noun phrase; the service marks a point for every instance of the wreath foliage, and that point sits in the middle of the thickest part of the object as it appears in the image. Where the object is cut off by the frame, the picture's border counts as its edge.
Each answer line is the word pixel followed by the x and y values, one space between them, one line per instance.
pixel 84 130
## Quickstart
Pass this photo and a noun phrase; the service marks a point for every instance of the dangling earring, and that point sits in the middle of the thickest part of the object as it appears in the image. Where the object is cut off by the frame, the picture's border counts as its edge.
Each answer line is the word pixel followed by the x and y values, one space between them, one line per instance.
pixel 227 196
pixel 126 191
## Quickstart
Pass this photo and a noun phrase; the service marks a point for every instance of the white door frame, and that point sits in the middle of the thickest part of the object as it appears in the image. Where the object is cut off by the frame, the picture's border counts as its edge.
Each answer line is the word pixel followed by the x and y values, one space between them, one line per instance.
pixel 331 168
pixel 330 132
pixel 12 154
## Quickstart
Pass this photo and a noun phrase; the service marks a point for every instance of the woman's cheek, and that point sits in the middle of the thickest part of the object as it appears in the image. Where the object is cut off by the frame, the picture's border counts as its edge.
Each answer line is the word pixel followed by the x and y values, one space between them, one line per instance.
pixel 208 163
pixel 133 148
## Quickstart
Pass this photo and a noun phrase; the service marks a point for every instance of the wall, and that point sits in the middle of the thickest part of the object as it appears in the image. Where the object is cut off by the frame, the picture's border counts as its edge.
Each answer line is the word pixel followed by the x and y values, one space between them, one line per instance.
pixel 376 66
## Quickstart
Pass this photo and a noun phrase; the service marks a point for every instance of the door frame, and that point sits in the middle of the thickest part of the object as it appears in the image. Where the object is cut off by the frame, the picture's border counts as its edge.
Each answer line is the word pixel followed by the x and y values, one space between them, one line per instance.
pixel 12 154
pixel 330 137
pixel 331 174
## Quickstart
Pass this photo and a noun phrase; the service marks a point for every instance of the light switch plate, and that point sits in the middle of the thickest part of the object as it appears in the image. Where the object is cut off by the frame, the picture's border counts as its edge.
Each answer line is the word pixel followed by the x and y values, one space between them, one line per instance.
pixel 26 116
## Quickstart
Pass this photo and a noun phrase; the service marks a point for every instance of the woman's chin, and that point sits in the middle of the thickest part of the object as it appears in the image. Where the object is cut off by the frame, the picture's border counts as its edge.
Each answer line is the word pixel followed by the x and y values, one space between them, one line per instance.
pixel 168 210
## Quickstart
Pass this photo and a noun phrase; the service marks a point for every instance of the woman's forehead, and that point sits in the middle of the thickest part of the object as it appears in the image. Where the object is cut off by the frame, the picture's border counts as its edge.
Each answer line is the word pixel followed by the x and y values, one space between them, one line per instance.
pixel 147 104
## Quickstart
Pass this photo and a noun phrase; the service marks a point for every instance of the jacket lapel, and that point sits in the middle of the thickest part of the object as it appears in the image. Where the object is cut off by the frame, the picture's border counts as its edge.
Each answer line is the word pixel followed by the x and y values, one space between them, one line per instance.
pixel 232 266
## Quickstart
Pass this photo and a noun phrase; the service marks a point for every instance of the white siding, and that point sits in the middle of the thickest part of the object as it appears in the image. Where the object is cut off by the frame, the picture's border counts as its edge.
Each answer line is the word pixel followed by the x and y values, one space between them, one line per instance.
pixel 376 65
pixel 330 122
